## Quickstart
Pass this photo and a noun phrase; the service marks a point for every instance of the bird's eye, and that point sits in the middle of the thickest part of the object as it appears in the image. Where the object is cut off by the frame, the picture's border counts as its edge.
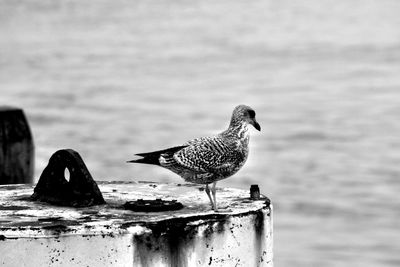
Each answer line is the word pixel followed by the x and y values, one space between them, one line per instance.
pixel 252 114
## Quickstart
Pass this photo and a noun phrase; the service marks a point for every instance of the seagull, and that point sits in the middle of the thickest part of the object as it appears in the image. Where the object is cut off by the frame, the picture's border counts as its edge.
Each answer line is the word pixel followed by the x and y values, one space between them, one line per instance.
pixel 207 160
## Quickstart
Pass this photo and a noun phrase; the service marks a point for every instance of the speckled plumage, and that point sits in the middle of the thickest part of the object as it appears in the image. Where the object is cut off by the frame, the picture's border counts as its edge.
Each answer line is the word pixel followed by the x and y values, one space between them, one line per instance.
pixel 207 160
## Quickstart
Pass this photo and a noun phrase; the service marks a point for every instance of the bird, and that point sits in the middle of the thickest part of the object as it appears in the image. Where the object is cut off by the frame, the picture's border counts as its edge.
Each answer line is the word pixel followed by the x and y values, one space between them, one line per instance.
pixel 207 160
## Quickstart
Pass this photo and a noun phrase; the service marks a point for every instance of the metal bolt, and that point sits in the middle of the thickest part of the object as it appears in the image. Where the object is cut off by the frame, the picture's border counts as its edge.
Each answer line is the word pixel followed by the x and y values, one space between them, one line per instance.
pixel 254 192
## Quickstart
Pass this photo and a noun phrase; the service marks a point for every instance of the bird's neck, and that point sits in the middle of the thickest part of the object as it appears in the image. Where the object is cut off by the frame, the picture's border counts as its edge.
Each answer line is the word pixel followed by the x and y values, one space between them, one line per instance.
pixel 239 130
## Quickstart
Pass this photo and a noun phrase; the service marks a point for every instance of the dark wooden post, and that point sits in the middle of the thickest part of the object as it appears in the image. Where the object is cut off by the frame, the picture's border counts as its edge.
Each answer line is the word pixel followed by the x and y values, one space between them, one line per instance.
pixel 16 147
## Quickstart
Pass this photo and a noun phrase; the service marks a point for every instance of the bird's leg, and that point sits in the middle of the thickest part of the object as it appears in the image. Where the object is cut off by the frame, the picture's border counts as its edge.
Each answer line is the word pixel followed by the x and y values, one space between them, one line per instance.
pixel 209 196
pixel 214 194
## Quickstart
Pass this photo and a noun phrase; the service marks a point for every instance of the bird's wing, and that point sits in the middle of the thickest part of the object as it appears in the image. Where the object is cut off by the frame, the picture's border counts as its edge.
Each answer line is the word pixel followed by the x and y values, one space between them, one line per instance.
pixel 208 154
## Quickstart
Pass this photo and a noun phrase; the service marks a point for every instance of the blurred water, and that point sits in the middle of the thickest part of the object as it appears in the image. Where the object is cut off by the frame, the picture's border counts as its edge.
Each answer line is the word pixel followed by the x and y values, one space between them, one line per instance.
pixel 114 78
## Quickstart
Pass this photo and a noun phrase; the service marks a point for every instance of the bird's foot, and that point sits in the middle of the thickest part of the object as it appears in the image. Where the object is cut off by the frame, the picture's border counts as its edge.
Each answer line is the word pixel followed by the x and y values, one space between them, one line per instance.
pixel 221 209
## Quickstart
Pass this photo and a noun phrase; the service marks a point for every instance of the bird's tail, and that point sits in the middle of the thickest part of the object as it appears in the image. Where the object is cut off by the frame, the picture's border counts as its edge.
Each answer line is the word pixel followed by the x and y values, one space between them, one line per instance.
pixel 153 157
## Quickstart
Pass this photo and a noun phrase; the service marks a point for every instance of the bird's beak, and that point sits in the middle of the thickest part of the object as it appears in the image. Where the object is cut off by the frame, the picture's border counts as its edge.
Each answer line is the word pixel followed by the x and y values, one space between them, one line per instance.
pixel 256 125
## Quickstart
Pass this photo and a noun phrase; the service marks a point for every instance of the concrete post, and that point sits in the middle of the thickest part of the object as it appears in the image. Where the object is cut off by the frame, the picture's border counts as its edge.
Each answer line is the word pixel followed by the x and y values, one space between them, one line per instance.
pixel 40 234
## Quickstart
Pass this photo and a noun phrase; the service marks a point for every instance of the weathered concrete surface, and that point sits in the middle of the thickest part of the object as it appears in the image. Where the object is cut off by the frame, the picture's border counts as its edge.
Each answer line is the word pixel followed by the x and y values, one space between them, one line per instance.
pixel 38 234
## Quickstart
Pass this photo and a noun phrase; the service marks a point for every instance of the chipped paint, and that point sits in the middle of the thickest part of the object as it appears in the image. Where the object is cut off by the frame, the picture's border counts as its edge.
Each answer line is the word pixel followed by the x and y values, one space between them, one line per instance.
pixel 110 235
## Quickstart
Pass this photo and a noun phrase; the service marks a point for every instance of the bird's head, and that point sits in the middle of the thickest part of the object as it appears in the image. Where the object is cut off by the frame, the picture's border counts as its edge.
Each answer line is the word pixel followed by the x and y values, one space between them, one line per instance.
pixel 243 113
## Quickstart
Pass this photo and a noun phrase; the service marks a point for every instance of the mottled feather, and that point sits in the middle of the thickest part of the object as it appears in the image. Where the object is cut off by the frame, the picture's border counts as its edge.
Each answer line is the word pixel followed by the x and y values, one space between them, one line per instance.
pixel 207 160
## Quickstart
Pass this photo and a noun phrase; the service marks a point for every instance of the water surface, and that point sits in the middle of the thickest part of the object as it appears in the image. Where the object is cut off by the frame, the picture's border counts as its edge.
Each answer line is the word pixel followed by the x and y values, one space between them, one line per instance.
pixel 114 78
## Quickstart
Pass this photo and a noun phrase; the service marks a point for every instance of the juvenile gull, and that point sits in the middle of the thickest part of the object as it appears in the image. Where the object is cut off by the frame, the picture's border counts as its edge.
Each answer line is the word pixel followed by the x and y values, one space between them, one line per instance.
pixel 206 160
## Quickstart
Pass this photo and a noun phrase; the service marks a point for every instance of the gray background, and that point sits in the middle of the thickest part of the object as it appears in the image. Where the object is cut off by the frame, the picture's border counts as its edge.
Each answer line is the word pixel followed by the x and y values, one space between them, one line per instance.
pixel 114 78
